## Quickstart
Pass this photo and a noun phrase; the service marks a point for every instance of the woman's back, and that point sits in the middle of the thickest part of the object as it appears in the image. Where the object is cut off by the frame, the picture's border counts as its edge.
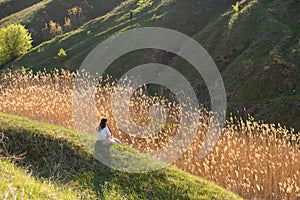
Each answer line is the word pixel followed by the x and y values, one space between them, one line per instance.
pixel 103 134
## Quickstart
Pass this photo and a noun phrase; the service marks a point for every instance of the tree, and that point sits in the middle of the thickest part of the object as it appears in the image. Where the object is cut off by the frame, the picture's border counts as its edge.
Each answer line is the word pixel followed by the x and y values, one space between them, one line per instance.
pixel 15 40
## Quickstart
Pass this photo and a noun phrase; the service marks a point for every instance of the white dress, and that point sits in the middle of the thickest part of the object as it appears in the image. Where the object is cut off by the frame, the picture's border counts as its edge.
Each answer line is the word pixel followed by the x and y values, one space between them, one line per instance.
pixel 104 136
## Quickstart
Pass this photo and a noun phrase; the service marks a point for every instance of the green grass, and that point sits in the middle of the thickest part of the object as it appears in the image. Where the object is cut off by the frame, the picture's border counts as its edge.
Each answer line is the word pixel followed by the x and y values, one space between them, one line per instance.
pixel 4 2
pixel 16 183
pixel 9 7
pixel 263 34
pixel 24 16
pixel 57 154
pixel 175 15
pixel 35 14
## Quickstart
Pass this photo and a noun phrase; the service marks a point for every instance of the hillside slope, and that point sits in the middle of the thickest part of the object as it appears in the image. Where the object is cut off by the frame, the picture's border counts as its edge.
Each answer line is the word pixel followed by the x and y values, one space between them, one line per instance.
pixel 171 14
pixel 34 14
pixel 56 153
pixel 257 49
pixel 258 53
pixel 9 7
pixel 16 183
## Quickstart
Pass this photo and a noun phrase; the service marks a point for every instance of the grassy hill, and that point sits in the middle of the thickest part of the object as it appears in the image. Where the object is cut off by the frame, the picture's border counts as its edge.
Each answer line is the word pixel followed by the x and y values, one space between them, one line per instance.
pixel 16 183
pixel 80 42
pixel 256 49
pixel 55 158
pixel 35 13
pixel 9 7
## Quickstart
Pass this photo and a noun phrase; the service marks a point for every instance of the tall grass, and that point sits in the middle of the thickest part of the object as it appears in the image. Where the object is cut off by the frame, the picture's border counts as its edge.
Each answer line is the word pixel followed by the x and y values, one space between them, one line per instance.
pixel 254 159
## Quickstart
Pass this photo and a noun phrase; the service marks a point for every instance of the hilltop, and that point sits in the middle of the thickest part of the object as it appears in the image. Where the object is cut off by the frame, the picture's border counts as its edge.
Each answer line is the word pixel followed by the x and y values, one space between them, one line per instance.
pixel 256 49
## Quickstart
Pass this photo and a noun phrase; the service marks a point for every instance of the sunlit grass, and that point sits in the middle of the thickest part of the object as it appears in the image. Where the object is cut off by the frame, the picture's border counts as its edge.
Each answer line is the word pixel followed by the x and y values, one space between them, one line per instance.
pixel 17 184
pixel 24 15
pixel 58 166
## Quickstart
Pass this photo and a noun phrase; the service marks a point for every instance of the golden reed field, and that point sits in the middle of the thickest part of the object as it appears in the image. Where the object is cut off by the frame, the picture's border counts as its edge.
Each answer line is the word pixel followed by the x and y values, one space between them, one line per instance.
pixel 254 159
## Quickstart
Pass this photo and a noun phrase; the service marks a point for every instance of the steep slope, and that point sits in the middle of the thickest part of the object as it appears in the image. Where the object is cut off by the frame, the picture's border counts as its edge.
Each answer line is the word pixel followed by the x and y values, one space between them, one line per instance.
pixel 256 49
pixel 9 7
pixel 35 14
pixel 183 16
pixel 258 53
pixel 57 154
pixel 17 184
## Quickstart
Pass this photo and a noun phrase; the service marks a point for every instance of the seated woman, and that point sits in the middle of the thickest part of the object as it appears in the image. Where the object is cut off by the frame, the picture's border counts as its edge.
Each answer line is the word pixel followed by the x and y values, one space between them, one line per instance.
pixel 103 133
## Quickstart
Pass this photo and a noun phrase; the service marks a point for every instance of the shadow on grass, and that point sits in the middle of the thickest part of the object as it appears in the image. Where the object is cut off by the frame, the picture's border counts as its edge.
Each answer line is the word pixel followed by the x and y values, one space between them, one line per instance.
pixel 55 159
pixel 65 162
pixel 66 159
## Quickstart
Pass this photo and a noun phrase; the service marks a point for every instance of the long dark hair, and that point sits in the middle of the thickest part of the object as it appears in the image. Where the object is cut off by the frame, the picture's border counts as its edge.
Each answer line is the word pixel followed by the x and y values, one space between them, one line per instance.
pixel 102 124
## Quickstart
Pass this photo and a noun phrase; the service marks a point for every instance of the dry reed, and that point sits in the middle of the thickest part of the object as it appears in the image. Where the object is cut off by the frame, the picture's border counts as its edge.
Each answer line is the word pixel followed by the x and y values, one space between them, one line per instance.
pixel 256 160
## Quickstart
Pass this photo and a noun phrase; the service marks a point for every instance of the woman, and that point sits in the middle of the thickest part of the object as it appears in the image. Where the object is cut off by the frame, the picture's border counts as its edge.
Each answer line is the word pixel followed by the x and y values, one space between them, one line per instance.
pixel 103 133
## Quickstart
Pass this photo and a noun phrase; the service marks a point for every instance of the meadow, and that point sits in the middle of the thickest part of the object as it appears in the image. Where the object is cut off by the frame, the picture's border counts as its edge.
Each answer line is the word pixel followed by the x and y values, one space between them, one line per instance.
pixel 251 158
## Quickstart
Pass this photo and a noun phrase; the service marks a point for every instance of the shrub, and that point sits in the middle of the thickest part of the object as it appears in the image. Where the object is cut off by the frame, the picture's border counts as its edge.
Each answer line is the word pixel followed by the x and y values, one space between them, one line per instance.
pixel 54 28
pixel 61 53
pixel 236 7
pixel 75 17
pixel 15 40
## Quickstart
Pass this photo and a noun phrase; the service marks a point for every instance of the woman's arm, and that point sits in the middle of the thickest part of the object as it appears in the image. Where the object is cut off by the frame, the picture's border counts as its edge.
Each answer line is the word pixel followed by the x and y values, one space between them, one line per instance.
pixel 109 130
